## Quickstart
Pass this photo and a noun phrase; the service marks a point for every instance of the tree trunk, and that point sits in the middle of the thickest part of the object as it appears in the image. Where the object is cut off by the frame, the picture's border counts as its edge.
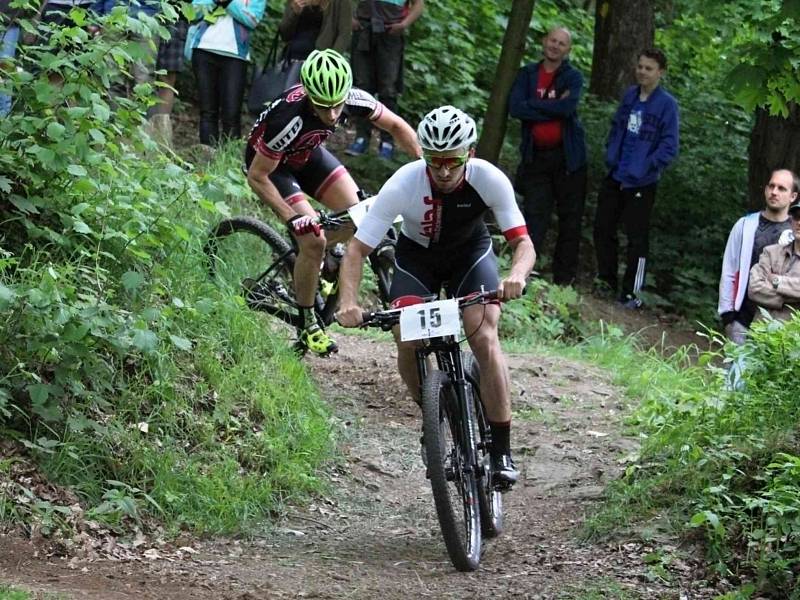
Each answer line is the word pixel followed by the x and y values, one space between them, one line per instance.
pixel 774 144
pixel 622 28
pixel 496 117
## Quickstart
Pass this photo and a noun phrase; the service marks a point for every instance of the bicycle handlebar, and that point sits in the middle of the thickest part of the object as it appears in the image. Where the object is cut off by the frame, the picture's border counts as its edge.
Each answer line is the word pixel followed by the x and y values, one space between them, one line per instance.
pixel 386 319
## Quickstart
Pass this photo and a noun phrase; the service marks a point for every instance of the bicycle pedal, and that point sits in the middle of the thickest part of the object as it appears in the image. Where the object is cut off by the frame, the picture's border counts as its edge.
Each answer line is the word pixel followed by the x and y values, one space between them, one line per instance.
pixel 502 486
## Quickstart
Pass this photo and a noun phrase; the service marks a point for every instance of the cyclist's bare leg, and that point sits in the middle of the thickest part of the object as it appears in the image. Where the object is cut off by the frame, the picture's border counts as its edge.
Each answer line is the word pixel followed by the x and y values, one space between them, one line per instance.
pixel 480 326
pixel 311 250
pixel 407 365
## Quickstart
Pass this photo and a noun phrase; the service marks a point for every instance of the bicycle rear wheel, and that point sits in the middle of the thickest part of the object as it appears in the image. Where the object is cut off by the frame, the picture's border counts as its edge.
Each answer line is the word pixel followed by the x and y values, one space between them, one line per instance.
pixel 249 257
pixel 455 489
pixel 489 499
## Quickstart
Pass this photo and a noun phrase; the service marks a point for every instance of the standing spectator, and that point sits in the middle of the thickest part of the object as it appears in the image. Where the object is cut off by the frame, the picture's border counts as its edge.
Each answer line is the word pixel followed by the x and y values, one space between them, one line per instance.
pixel 552 169
pixel 314 25
pixel 309 25
pixel 170 59
pixel 775 278
pixel 748 238
pixel 643 141
pixel 377 57
pixel 220 62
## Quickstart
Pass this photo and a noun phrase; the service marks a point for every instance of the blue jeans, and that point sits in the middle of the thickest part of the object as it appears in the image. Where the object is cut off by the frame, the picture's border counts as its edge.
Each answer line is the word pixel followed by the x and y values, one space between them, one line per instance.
pixel 8 49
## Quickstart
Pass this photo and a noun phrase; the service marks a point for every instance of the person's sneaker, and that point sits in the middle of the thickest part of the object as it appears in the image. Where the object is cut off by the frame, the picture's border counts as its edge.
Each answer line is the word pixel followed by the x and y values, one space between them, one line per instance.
pixel 630 302
pixel 504 472
pixel 386 150
pixel 358 147
pixel 317 341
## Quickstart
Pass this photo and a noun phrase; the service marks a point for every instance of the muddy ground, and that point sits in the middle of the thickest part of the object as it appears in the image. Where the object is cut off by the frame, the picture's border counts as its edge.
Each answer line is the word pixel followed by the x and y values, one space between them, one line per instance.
pixel 375 535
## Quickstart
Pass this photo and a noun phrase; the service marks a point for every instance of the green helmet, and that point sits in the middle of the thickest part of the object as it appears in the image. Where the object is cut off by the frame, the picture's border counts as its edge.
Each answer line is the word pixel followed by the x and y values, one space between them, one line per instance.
pixel 327 77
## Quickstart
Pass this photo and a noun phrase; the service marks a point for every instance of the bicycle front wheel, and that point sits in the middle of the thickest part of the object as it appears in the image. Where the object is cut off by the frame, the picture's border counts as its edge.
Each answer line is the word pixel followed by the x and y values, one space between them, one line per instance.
pixel 249 257
pixel 453 481
pixel 489 499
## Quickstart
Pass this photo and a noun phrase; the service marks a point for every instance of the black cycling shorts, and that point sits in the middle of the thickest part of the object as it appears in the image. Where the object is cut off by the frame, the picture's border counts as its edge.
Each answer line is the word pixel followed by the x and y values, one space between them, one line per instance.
pixel 421 271
pixel 321 169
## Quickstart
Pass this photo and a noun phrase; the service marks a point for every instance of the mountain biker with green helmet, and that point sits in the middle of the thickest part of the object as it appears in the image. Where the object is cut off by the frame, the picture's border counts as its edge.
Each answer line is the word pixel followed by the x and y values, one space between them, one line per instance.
pixel 286 160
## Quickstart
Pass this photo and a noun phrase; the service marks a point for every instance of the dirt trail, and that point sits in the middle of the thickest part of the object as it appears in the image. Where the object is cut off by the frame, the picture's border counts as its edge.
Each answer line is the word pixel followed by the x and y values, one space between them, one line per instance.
pixel 376 536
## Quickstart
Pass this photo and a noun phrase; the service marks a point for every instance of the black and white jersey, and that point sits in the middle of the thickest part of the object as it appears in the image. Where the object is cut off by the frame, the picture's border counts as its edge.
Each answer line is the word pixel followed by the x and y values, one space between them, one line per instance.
pixel 443 221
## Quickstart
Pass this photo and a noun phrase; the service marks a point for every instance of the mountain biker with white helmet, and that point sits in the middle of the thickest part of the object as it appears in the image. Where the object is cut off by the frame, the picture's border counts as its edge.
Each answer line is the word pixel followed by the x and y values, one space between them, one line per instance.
pixel 444 242
pixel 286 159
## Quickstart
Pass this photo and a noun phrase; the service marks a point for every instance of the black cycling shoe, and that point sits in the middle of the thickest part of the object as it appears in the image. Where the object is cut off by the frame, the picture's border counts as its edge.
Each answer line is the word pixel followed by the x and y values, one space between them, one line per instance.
pixel 504 472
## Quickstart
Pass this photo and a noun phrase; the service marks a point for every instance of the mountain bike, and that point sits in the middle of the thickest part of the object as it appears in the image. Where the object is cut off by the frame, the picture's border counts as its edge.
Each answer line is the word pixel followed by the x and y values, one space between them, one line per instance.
pixel 455 430
pixel 252 258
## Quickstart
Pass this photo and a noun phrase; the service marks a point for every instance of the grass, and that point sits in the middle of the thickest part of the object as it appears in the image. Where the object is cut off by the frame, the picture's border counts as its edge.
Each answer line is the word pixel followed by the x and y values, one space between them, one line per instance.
pixel 211 423
pixel 8 592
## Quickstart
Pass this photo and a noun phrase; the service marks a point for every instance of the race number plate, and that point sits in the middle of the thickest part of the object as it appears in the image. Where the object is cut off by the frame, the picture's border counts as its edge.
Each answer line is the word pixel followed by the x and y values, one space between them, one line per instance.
pixel 358 211
pixel 428 320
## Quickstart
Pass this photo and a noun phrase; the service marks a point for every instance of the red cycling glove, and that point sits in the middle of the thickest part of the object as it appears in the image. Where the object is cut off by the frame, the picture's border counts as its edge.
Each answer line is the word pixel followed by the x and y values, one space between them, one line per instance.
pixel 303 224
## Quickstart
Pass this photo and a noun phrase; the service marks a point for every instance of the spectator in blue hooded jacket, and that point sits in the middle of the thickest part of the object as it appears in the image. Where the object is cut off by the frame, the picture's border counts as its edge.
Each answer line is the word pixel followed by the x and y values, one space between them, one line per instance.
pixel 643 141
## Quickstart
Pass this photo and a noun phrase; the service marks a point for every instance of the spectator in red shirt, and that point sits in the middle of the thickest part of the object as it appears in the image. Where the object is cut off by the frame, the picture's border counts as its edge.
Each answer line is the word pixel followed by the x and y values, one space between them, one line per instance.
pixel 552 169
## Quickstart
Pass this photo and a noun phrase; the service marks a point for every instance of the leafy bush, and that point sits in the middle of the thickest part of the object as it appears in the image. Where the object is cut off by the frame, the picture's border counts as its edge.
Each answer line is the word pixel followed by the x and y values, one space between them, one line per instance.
pixel 125 371
pixel 719 461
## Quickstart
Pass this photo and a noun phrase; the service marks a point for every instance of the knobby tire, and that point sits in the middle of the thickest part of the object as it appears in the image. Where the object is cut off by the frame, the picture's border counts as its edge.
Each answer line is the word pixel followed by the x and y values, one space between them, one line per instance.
pixel 459 518
pixel 281 303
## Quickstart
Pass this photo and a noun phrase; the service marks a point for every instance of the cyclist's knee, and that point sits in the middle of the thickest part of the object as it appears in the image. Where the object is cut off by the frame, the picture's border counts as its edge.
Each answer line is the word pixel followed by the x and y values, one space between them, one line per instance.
pixel 484 342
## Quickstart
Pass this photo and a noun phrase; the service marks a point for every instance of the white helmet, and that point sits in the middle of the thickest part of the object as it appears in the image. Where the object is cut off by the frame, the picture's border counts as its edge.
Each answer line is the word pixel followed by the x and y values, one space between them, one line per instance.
pixel 446 128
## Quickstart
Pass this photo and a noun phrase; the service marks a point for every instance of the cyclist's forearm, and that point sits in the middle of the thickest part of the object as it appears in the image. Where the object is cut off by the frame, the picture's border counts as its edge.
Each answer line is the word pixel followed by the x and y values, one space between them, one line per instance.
pixel 406 138
pixel 350 272
pixel 523 259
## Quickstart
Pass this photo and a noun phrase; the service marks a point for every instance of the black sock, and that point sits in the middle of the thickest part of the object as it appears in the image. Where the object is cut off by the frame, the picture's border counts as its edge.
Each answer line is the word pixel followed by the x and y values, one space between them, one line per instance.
pixel 306 316
pixel 501 438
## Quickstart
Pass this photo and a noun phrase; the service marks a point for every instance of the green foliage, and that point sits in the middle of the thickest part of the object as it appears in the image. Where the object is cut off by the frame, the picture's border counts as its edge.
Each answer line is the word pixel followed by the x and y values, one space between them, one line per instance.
pixel 766 57
pixel 546 312
pixel 125 371
pixel 714 460
pixel 459 39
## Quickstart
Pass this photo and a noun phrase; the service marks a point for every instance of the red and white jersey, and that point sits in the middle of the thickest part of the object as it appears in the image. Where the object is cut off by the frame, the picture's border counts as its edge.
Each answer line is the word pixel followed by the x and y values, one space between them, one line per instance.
pixel 443 221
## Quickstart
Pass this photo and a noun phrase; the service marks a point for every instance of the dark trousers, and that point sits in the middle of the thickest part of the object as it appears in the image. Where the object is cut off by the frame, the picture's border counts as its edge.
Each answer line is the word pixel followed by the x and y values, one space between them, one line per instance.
pixel 377 60
pixel 545 183
pixel 632 206
pixel 220 91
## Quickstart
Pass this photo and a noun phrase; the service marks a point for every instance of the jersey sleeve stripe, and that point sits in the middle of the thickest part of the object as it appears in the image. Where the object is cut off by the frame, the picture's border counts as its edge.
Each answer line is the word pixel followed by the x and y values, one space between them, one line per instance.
pixel 376 114
pixel 515 232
